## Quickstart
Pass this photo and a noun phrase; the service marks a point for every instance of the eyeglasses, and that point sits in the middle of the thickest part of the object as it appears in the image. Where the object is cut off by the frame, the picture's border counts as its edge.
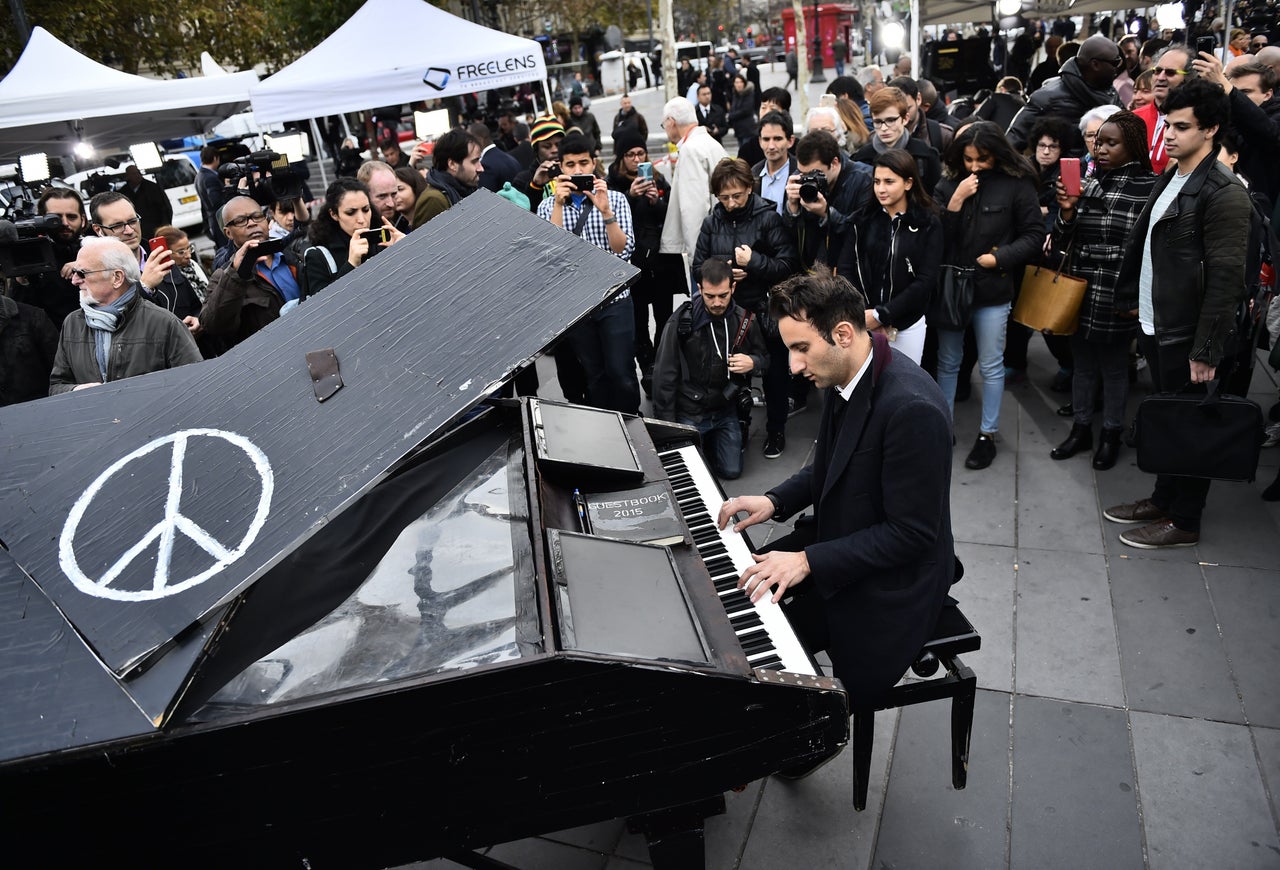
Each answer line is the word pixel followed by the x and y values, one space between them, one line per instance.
pixel 1169 73
pixel 886 122
pixel 1048 146
pixel 1114 63
pixel 727 198
pixel 1089 137
pixel 637 152
pixel 255 216
pixel 115 229
pixel 83 273
pixel 180 250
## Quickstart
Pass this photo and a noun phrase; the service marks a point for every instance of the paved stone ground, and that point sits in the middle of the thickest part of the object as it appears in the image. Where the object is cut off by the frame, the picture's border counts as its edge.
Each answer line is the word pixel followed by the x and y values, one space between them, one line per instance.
pixel 1128 713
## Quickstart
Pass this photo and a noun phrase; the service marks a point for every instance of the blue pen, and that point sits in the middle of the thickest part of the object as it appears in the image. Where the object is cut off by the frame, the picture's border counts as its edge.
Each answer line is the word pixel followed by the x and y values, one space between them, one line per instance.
pixel 582 510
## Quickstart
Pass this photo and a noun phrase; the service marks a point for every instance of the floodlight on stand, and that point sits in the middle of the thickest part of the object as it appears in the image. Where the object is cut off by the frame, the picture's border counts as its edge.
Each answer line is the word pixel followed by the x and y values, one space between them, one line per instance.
pixel 1010 7
pixel 431 125
pixel 292 145
pixel 84 150
pixel 146 156
pixel 1170 16
pixel 34 167
pixel 893 34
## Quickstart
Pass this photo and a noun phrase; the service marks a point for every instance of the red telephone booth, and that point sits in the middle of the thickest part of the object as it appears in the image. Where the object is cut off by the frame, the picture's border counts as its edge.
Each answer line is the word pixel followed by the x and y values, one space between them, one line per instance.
pixel 834 19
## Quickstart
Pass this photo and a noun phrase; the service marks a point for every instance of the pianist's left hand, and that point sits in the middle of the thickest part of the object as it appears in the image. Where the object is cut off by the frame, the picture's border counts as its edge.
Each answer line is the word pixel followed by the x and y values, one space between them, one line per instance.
pixel 774 570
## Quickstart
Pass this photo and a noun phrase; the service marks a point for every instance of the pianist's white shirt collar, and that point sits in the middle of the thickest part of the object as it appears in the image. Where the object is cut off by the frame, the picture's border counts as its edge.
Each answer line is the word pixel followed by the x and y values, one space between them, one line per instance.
pixel 847 391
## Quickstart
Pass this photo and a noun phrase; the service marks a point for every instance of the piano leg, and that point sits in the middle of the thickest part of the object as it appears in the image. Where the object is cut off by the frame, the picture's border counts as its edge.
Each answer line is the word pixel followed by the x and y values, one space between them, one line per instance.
pixel 675 835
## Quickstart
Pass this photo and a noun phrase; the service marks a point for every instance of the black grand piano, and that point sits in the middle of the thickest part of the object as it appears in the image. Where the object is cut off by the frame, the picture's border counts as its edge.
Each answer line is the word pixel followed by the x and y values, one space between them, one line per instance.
pixel 325 602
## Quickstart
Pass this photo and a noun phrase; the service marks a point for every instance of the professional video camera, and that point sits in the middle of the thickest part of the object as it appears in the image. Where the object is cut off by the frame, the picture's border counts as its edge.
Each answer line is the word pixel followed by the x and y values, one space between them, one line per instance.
pixel 268 173
pixel 25 245
pixel 813 183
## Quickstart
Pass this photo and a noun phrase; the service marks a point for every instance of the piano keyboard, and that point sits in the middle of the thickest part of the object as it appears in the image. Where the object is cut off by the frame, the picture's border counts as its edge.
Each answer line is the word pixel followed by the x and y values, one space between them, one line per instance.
pixel 763 630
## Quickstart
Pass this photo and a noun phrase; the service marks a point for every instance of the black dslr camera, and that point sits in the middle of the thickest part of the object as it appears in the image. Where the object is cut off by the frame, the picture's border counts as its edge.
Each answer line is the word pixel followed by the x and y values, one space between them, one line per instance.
pixel 813 183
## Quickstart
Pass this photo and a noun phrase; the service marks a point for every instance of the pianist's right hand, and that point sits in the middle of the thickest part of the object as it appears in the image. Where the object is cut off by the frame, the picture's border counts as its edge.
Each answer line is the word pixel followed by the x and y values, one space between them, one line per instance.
pixel 757 507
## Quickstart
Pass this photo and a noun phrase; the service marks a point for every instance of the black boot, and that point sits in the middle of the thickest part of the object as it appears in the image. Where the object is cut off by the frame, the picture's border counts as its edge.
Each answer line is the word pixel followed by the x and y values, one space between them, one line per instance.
pixel 1108 449
pixel 1081 438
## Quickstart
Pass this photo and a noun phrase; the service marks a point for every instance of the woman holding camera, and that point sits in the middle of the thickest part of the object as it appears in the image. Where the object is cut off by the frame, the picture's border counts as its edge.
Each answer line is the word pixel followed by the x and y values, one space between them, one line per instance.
pixel 893 251
pixel 747 232
pixel 345 234
pixel 992 227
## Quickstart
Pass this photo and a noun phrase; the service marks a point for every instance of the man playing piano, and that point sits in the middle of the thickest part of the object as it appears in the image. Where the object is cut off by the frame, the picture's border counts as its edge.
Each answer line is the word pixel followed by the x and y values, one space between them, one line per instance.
pixel 877 554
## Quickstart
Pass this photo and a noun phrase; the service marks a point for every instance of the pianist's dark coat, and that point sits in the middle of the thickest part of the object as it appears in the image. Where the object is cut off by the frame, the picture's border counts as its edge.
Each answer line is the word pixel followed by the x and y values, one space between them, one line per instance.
pixel 880 549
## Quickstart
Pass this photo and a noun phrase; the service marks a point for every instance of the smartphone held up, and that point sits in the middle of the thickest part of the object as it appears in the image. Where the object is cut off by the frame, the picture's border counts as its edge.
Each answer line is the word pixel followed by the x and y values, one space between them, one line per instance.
pixel 1069 172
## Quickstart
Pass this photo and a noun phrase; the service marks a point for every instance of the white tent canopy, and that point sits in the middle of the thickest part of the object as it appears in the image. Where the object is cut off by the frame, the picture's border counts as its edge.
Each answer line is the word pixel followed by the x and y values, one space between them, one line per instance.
pixel 396 51
pixel 55 97
pixel 973 11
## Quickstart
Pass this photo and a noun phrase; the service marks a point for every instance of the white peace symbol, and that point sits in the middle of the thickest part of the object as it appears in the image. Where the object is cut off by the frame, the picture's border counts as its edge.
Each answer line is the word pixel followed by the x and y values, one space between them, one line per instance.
pixel 164 532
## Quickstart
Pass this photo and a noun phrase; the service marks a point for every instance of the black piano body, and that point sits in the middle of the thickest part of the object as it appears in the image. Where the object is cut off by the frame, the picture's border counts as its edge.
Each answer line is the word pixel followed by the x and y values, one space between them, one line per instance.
pixel 400 671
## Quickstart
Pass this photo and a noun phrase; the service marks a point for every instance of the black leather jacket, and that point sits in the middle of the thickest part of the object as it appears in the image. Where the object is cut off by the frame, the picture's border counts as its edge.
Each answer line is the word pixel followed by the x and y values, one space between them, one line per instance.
pixel 757 225
pixel 1198 269
pixel 894 264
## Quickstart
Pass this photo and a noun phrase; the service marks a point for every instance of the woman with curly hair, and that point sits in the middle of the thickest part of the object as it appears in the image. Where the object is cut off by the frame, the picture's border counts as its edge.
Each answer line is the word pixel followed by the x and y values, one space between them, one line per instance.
pixel 339 238
pixel 993 227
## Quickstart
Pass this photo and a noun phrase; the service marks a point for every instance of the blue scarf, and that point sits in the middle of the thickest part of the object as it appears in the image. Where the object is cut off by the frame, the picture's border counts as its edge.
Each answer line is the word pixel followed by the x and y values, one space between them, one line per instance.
pixel 104 320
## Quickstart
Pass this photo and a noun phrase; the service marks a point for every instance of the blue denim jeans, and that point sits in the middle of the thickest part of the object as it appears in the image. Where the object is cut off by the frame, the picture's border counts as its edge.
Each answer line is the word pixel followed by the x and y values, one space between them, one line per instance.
pixel 605 345
pixel 721 443
pixel 988 328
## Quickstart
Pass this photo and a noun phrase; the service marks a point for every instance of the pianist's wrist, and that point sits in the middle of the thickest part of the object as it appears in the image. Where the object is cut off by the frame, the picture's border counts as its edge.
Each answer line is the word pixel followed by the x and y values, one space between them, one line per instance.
pixel 778 512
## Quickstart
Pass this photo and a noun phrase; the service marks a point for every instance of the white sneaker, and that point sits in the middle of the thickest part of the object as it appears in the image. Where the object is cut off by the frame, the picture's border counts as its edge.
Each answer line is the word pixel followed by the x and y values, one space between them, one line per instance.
pixel 1272 435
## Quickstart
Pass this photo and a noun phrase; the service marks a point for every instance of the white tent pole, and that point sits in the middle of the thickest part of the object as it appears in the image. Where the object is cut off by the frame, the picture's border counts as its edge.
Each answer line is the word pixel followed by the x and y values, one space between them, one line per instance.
pixel 546 92
pixel 318 144
pixel 916 69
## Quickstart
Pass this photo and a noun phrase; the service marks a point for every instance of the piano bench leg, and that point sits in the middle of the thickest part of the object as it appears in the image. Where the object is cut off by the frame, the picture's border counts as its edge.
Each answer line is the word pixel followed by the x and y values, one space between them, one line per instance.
pixel 962 726
pixel 675 835
pixel 864 729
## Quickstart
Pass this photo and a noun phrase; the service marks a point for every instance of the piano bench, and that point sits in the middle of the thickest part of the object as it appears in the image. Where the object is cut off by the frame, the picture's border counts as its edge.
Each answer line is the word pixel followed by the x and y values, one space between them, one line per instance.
pixel 953 635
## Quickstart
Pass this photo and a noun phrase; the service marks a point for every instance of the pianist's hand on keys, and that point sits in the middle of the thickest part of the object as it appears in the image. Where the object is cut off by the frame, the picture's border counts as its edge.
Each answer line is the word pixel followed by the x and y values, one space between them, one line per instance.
pixel 773 570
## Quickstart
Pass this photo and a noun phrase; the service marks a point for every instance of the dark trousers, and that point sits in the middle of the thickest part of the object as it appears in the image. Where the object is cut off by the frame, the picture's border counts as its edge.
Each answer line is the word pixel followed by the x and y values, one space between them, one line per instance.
pixel 1018 337
pixel 1107 361
pixel 777 385
pixel 655 288
pixel 605 346
pixel 1181 497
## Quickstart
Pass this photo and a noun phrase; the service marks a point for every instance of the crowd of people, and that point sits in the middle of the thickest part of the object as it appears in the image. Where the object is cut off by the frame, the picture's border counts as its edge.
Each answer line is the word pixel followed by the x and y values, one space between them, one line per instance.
pixel 914 205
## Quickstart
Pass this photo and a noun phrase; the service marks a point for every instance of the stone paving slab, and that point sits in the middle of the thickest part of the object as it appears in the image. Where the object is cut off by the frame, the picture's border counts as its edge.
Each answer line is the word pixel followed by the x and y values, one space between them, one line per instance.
pixel 926 822
pixel 1067 644
pixel 1074 794
pixel 1171 656
pixel 1203 802
pixel 1247 602
pixel 986 596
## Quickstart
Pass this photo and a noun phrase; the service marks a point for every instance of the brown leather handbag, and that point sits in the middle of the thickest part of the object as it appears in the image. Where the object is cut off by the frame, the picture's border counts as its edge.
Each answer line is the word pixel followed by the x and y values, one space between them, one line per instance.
pixel 1049 300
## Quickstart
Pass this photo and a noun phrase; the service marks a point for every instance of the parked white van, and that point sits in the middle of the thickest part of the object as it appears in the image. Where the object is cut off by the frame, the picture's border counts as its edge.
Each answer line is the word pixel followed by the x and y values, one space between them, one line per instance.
pixel 177 176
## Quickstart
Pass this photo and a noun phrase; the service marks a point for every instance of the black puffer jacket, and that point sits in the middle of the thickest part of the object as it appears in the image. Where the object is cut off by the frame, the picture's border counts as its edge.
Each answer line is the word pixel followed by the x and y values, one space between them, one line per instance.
pixel 758 226
pixel 1067 96
pixel 694 388
pixel 1198 276
pixel 894 263
pixel 1003 215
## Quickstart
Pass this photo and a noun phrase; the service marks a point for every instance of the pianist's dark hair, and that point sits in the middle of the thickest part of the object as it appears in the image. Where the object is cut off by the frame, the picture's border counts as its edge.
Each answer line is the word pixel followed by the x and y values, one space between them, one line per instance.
pixel 820 297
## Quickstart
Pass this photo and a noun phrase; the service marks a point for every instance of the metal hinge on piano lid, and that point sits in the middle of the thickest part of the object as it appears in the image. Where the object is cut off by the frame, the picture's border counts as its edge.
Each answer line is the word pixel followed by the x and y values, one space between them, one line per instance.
pixel 786 678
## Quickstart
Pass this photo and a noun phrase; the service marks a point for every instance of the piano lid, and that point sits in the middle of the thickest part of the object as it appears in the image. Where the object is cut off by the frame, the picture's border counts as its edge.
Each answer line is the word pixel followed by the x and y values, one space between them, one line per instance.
pixel 179 498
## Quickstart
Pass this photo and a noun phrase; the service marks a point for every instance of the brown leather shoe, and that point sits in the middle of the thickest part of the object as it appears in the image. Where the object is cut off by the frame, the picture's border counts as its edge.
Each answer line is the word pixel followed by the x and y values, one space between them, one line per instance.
pixel 1142 511
pixel 1158 536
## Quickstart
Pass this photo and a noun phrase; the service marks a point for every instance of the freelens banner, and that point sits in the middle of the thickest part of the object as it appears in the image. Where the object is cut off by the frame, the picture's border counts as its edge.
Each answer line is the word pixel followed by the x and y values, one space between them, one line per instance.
pixel 484 74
